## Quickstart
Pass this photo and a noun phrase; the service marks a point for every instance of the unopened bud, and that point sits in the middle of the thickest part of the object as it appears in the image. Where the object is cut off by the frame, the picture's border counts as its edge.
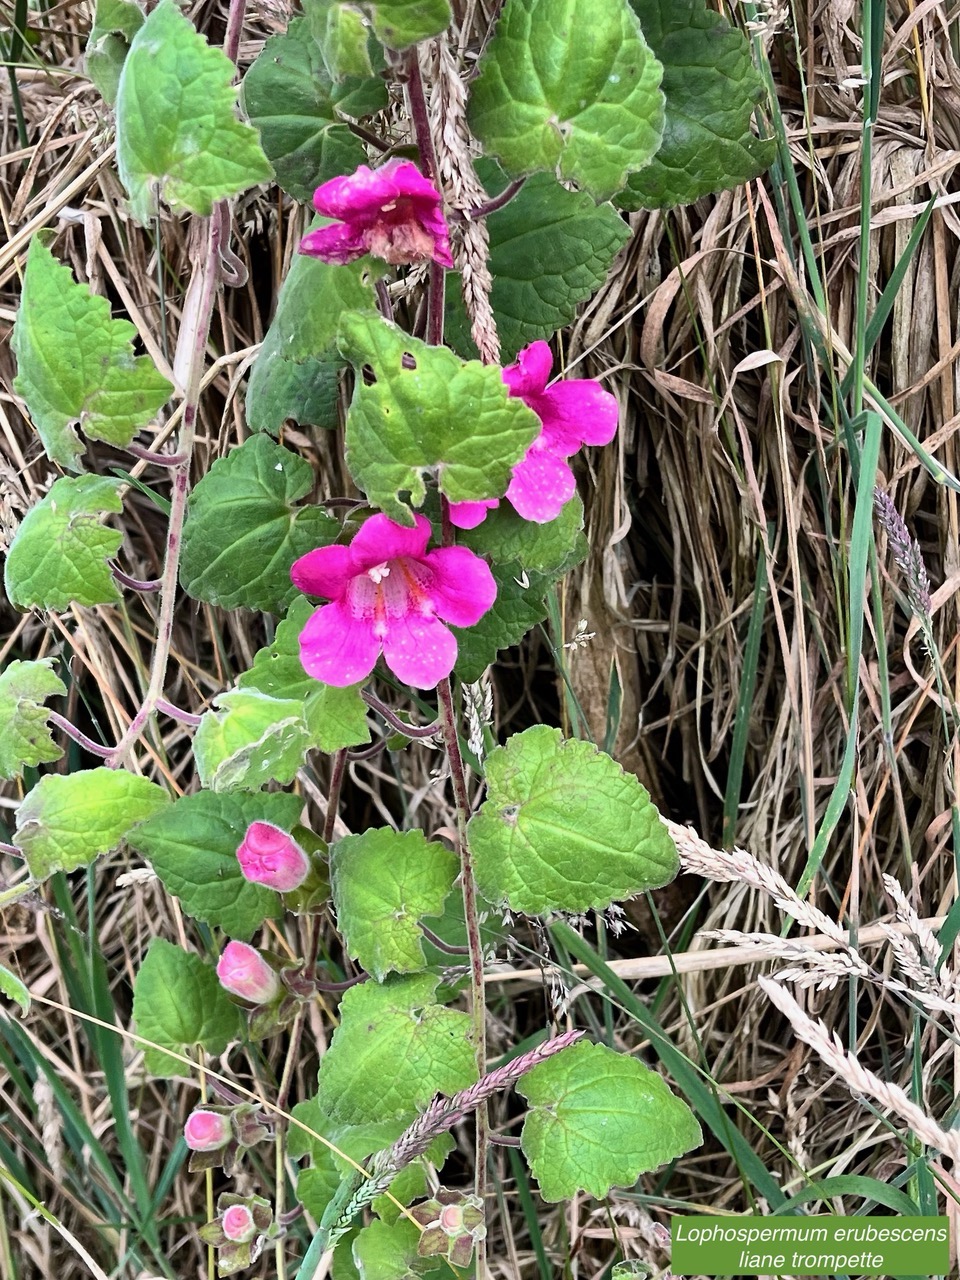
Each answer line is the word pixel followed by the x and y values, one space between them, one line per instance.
pixel 207 1131
pixel 243 971
pixel 271 857
pixel 238 1224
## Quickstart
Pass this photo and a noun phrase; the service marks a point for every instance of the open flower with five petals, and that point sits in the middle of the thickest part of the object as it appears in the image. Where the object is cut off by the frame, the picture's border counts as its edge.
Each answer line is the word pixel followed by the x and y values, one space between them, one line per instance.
pixel 388 594
pixel 574 413
pixel 392 212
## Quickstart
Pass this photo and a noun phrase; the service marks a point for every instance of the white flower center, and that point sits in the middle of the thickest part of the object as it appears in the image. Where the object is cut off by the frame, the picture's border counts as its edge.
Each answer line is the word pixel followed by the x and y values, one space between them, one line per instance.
pixel 379 572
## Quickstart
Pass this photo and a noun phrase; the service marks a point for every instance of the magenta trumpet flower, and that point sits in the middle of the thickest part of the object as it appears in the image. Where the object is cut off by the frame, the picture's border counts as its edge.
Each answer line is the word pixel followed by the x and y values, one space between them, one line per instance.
pixel 392 212
pixel 388 594
pixel 573 414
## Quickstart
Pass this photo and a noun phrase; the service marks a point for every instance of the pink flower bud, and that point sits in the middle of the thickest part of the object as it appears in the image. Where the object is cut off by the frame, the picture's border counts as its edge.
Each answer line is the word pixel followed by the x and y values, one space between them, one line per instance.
pixel 243 971
pixel 238 1224
pixel 270 857
pixel 207 1131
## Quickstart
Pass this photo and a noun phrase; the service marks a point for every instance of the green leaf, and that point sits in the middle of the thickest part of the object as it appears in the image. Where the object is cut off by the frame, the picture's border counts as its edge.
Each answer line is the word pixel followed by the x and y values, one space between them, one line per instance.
pixel 552 548
pixel 599 1119
pixel 176 121
pixel 334 718
pixel 356 1142
pixel 383 882
pixel 250 740
pixel 179 1004
pixel 67 820
pixel 24 736
pixel 550 250
pixel 394 1049
pixel 242 531
pixel 343 35
pixel 115 24
pixel 289 95
pixel 569 85
pixel 711 88
pixel 192 847
pixel 401 23
pixel 14 989
pixel 296 372
pixel 59 554
pixel 385 1251
pixel 519 606
pixel 410 421
pixel 102 385
pixel 564 828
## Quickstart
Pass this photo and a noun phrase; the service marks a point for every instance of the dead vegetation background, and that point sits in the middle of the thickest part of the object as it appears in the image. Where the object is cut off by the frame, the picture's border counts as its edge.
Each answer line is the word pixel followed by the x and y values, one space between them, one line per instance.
pixel 726 501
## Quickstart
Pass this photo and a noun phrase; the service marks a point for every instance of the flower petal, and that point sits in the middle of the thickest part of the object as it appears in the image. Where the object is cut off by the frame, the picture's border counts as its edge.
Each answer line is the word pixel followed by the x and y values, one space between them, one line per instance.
pixel 463 588
pixel 528 377
pixel 324 572
pixel 467 515
pixel 337 648
pixel 419 650
pixel 339 243
pixel 380 539
pixel 542 483
pixel 363 194
pixel 576 413
pixel 354 195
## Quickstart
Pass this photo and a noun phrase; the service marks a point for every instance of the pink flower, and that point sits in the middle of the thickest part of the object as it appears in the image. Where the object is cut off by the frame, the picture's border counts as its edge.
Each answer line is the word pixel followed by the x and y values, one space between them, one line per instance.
pixel 238 1224
pixel 573 413
pixel 207 1131
pixel 389 595
pixel 392 212
pixel 243 972
pixel 271 857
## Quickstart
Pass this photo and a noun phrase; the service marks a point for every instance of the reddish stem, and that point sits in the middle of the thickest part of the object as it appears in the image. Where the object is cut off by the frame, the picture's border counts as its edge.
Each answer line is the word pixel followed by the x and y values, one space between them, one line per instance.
pixel 333 795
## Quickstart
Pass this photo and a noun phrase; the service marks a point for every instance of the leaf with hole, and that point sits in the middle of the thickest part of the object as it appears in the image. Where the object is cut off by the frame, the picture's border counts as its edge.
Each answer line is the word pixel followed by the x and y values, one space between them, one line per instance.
pixel 571 86
pixel 599 1119
pixel 550 250
pixel 296 373
pixel 193 849
pixel 179 1004
pixel 68 819
pixel 25 738
pixel 394 1049
pixel 103 386
pixel 408 421
pixel 289 95
pixel 564 828
pixel 243 531
pixel 711 88
pixel 383 883
pixel 177 128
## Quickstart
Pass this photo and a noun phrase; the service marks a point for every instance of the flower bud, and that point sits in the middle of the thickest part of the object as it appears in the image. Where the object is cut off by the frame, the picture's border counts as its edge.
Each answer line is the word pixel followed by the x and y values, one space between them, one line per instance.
pixel 271 857
pixel 207 1131
pixel 238 1224
pixel 243 971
